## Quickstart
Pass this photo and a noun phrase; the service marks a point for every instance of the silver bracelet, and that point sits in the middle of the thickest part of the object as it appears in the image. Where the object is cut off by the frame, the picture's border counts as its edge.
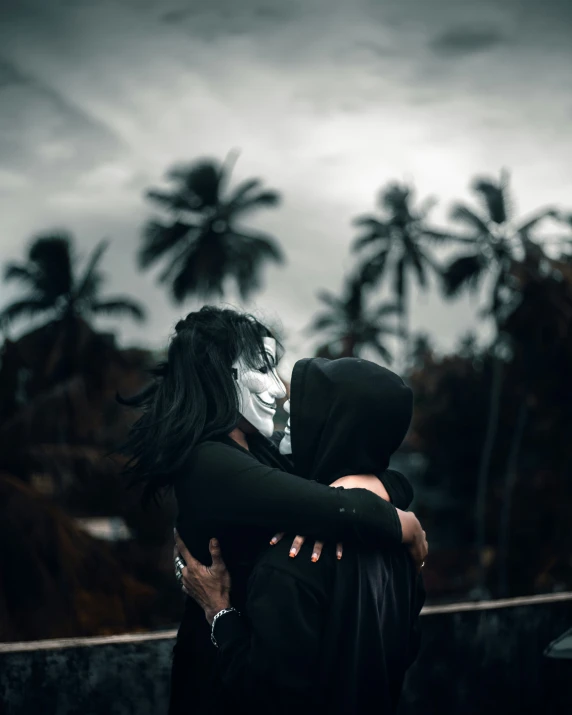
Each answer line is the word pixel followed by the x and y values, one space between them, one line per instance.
pixel 218 615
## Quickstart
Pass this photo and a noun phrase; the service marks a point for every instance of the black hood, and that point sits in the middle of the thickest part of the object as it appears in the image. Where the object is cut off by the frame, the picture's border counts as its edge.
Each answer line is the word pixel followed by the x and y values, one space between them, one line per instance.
pixel 348 416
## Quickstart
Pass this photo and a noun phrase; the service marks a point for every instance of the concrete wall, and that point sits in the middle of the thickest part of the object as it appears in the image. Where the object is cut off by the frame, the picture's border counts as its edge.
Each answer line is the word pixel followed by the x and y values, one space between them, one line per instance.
pixel 475 658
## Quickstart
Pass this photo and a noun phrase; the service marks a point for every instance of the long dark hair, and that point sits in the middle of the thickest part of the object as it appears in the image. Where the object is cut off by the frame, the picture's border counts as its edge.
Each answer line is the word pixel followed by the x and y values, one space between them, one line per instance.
pixel 193 395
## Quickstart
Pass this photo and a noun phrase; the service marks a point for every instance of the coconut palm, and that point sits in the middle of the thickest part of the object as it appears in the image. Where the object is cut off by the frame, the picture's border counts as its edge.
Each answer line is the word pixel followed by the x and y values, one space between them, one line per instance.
pixel 55 287
pixel 498 244
pixel 351 326
pixel 399 241
pixel 203 242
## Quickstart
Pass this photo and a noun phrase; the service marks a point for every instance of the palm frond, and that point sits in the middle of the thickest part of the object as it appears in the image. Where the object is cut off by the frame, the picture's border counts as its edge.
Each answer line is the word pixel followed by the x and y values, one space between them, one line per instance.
pixel 19 272
pixel 119 306
pixel 264 199
pixel 526 226
pixel 372 271
pixel 386 310
pixel 324 296
pixel 173 200
pixel 463 214
pixel 438 238
pixel 462 272
pixel 24 308
pixel 90 281
pixel 382 351
pixel 494 196
pixel 323 321
pixel 374 231
pixel 159 239
pixel 262 245
pixel 242 190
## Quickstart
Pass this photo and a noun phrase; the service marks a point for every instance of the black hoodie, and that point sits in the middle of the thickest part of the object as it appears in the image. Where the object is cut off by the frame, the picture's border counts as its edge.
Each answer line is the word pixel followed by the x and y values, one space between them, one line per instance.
pixel 333 637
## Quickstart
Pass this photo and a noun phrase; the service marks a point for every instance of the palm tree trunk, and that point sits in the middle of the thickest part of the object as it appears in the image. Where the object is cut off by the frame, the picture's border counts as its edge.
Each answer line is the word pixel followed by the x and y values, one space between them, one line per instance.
pixel 510 481
pixel 483 474
pixel 404 330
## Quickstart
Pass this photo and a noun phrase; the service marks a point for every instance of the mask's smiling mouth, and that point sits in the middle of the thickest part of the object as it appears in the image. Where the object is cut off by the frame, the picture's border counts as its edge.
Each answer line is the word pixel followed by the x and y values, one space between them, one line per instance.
pixel 268 405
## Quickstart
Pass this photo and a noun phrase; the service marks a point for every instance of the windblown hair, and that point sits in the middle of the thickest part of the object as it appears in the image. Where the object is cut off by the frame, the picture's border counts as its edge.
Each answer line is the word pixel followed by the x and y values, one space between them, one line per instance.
pixel 193 395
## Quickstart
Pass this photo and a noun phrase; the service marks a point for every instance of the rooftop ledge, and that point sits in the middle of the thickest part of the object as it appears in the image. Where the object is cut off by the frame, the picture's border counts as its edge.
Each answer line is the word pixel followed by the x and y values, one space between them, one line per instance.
pixel 170 634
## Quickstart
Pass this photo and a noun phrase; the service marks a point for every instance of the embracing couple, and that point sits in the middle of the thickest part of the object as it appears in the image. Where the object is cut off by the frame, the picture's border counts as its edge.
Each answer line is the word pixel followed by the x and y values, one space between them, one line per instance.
pixel 329 622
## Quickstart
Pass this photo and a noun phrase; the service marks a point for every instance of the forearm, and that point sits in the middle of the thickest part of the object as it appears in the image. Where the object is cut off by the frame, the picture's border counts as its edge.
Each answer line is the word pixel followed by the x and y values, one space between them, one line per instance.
pixel 240 491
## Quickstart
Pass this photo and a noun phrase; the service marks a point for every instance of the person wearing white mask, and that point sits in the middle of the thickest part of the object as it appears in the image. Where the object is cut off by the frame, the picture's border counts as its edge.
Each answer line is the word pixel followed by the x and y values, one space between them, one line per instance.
pixel 205 428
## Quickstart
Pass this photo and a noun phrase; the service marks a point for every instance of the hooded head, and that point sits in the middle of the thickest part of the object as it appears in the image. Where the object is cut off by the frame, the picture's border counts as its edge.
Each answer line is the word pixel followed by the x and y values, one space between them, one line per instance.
pixel 347 416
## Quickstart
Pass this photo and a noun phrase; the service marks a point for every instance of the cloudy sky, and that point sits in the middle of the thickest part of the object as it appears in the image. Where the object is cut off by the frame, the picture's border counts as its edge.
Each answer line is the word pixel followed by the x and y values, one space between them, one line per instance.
pixel 326 99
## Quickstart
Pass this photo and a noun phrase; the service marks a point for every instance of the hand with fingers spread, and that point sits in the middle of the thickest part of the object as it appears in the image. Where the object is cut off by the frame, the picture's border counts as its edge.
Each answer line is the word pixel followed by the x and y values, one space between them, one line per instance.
pixel 210 585
pixel 369 482
pixel 297 544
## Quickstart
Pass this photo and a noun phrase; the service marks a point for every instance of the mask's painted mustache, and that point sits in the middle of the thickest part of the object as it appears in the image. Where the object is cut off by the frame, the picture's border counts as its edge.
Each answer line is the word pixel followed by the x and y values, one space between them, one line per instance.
pixel 270 405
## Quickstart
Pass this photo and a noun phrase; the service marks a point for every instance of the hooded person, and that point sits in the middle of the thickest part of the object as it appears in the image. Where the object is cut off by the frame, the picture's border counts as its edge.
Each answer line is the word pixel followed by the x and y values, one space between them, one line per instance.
pixel 334 636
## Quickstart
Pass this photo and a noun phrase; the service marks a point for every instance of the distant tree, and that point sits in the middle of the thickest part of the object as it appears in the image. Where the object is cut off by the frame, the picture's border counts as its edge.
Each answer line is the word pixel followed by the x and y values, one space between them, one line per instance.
pixel 498 244
pixel 351 326
pixel 399 239
pixel 55 288
pixel 421 349
pixel 468 346
pixel 203 243
pixel 58 291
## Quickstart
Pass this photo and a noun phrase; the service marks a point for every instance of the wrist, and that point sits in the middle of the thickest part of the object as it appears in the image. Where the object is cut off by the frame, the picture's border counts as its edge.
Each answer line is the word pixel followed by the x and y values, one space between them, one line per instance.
pixel 211 612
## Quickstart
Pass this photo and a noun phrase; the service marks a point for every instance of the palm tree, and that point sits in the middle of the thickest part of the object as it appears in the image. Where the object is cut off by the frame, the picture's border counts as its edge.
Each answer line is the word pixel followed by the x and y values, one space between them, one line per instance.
pixel 399 241
pixel 56 289
pixel 499 243
pixel 203 242
pixel 350 326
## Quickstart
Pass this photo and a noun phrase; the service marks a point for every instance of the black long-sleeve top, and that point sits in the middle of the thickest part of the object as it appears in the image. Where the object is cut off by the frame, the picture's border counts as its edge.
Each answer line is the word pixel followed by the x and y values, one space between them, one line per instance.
pixel 243 498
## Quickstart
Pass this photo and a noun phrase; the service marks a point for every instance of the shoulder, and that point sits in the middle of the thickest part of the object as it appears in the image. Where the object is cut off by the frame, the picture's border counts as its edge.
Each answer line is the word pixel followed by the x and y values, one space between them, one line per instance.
pixel 216 457
pixel 212 459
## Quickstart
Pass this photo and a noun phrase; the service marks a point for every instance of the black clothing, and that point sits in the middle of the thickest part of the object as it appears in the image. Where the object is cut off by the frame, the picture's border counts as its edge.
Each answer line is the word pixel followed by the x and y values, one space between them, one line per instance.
pixel 333 637
pixel 243 498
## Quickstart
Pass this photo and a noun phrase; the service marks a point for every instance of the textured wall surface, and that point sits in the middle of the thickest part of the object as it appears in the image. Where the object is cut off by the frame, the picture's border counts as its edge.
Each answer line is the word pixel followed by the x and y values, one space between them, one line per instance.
pixel 488 662
pixel 114 679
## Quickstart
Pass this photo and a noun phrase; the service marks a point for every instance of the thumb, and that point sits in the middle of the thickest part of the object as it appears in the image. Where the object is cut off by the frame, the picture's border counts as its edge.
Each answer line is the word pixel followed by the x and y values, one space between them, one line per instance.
pixel 216 555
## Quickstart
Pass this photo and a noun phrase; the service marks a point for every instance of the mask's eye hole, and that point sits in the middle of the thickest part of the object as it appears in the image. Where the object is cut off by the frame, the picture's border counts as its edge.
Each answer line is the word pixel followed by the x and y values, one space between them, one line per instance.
pixel 263 370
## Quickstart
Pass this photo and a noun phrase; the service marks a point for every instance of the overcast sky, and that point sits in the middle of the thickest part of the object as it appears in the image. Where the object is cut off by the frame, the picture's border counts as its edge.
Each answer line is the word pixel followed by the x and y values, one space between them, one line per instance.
pixel 326 99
